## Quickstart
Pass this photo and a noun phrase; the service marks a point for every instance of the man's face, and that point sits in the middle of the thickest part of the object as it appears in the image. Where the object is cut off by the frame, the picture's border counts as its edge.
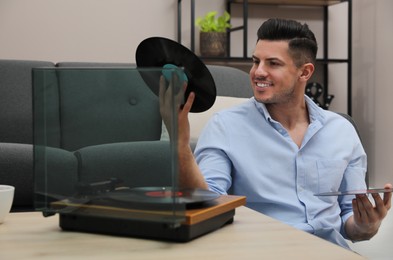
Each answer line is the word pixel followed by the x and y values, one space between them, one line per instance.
pixel 274 76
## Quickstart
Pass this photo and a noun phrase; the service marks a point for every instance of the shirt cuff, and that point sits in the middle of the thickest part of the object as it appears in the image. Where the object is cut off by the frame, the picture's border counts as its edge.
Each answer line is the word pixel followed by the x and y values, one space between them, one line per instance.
pixel 344 219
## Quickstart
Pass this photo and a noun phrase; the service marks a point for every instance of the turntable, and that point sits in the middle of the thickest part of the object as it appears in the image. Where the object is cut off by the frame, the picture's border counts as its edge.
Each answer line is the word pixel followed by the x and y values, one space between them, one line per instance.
pixel 153 213
pixel 109 179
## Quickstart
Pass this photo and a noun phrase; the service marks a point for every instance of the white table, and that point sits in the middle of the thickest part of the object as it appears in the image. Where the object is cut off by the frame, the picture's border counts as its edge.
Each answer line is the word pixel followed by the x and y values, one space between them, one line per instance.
pixel 251 236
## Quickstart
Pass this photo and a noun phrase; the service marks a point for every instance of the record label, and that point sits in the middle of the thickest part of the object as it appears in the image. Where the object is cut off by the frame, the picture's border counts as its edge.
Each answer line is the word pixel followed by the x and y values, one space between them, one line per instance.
pixel 164 194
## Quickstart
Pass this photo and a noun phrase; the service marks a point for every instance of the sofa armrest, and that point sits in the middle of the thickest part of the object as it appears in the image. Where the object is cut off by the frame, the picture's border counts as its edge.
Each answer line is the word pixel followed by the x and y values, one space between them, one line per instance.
pixel 16 169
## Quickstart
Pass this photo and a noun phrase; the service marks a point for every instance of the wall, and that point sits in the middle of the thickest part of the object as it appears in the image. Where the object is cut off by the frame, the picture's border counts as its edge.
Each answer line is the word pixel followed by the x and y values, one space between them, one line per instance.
pixel 373 62
pixel 82 30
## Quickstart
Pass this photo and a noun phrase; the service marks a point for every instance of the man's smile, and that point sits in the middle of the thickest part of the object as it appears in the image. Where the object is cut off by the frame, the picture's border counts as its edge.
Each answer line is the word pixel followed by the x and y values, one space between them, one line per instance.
pixel 263 84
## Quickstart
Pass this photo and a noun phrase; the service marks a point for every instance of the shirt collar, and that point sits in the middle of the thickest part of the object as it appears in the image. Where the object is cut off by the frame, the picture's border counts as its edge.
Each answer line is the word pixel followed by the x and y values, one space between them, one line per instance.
pixel 314 111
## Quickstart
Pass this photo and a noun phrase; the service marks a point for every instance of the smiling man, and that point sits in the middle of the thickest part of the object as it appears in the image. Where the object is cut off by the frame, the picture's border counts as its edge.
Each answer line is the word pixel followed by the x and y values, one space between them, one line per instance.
pixel 279 148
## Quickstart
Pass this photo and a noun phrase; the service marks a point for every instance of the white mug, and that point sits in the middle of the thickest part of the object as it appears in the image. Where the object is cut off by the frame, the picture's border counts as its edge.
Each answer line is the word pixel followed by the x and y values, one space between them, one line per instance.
pixel 6 199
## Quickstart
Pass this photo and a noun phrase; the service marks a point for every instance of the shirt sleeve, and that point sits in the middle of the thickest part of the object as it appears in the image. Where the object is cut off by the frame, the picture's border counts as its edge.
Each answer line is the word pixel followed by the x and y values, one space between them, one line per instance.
pixel 354 179
pixel 211 156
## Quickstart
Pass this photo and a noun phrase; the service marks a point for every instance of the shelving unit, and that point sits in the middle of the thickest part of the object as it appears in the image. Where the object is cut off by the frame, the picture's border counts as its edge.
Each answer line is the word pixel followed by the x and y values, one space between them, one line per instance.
pixel 244 59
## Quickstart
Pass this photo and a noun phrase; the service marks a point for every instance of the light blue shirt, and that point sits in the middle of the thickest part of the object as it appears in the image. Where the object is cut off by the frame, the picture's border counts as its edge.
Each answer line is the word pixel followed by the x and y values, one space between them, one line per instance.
pixel 242 150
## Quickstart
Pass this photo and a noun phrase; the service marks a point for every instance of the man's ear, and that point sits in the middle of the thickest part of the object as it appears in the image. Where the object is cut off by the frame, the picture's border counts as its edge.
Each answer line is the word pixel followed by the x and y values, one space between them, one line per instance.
pixel 307 71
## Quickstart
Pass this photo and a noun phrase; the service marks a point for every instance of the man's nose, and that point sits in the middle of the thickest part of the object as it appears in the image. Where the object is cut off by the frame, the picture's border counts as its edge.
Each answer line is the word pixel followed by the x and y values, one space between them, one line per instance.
pixel 261 70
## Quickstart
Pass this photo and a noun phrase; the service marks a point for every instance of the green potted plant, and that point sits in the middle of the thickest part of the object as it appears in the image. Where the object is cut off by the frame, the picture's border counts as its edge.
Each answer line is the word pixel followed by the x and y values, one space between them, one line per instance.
pixel 213 34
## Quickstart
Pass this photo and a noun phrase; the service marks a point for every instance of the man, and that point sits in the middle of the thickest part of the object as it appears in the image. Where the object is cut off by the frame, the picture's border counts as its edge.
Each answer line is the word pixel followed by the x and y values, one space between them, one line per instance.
pixel 279 148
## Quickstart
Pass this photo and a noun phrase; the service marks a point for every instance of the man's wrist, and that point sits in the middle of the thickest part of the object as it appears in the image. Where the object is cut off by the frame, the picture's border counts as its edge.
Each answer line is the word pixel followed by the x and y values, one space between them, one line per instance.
pixel 356 233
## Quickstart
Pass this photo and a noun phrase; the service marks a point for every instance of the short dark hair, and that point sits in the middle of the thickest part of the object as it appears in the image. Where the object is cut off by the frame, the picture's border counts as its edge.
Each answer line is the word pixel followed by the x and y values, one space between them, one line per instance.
pixel 302 44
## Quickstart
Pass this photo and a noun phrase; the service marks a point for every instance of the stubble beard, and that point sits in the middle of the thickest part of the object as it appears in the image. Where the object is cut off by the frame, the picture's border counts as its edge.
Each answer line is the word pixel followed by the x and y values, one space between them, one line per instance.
pixel 277 98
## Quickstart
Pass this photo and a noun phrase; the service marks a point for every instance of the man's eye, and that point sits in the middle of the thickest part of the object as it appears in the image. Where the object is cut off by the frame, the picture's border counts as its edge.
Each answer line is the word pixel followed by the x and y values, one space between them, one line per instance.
pixel 273 63
pixel 255 61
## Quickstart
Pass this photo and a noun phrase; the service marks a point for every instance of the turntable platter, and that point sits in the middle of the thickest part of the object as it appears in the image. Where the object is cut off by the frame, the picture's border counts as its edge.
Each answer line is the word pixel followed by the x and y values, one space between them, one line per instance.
pixel 163 195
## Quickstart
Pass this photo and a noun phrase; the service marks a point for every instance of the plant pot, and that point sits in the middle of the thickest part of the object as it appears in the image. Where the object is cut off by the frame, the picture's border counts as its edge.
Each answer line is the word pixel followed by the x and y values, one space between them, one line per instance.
pixel 213 44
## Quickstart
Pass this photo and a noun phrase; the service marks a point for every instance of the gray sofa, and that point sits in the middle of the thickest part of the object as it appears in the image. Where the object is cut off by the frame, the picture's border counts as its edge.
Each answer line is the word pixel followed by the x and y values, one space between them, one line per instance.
pixel 102 146
pixel 16 128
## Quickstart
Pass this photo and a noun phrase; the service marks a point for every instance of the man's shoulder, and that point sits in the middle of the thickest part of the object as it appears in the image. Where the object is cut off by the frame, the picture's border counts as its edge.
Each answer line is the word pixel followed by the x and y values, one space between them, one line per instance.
pixel 340 121
pixel 331 115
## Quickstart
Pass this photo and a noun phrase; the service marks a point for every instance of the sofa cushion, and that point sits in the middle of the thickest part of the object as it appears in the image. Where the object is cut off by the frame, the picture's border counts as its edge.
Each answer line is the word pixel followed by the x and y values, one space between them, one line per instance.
pixel 137 164
pixel 231 82
pixel 199 120
pixel 16 123
pixel 55 172
pixel 46 107
pixel 99 106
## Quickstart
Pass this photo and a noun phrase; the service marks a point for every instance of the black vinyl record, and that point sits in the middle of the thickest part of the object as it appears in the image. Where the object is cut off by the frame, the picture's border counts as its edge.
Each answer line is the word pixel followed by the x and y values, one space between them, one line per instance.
pixel 158 52
pixel 163 195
